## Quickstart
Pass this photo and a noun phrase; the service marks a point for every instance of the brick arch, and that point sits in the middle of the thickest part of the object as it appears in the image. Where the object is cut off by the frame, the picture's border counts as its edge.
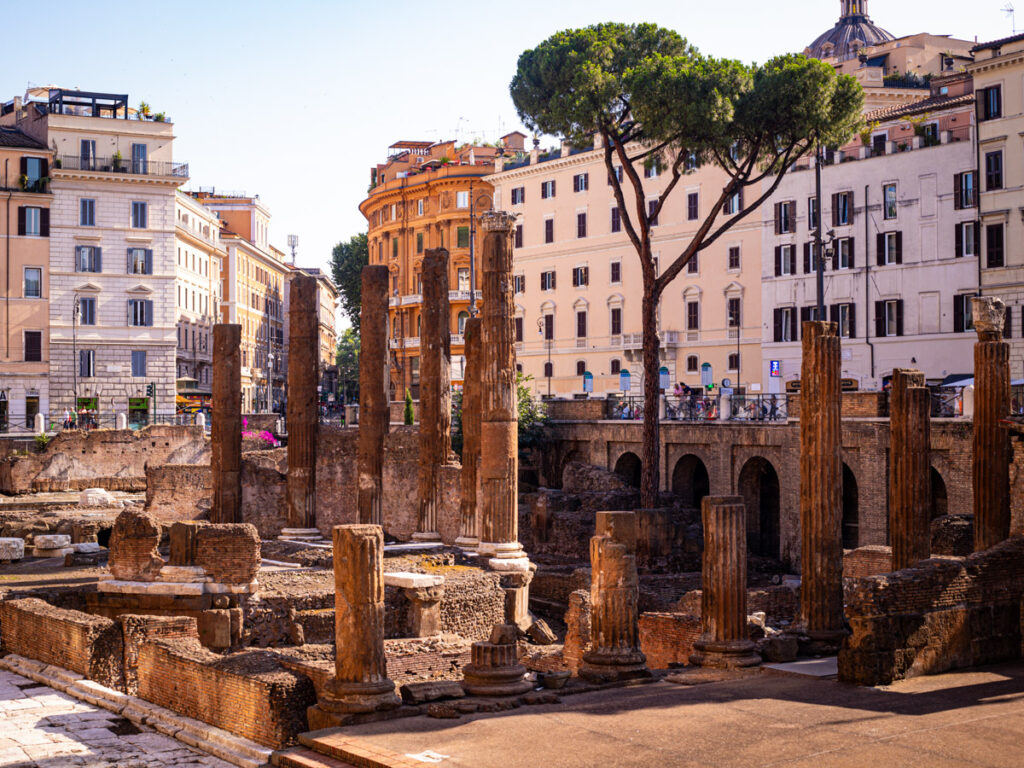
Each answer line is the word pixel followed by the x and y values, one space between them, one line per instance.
pixel 851 508
pixel 628 466
pixel 939 493
pixel 690 479
pixel 758 483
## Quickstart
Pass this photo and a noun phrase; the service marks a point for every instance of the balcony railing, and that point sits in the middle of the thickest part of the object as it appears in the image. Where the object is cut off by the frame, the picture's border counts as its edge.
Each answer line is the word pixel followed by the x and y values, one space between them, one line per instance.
pixel 393 301
pixel 760 407
pixel 121 165
pixel 458 295
pixel 412 298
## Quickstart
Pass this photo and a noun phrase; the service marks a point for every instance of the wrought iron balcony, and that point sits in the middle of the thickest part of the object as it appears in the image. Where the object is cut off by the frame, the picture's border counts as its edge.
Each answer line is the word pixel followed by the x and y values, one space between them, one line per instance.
pixel 121 165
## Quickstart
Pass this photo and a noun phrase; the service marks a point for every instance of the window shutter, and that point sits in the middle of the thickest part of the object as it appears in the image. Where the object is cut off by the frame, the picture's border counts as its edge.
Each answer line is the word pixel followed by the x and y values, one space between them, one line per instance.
pixel 805 315
pixel 575 279
pixel 21 219
pixel 899 317
pixel 46 168
pixel 792 261
pixel 835 210
pixel 880 253
pixel 833 313
pixel 778 257
pixel 958 241
pixel 542 284
pixel 1008 325
pixel 853 207
pixel 807 258
pixel 149 261
pixel 552 188
pixel 880 319
pixel 853 252
pixel 958 314
pixel 740 207
pixel 778 218
pixel 777 319
pixel 98 256
pixel 552 280
pixel 33 346
pixel 853 321
pixel 977 238
pixel 899 247
pixel 149 311
pixel 792 326
pixel 23 166
pixel 128 260
pixel 957 183
pixel 586 275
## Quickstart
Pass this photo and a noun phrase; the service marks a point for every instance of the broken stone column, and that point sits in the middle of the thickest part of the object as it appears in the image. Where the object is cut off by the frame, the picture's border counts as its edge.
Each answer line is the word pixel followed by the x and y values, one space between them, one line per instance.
pixel 909 469
pixel 821 551
pixel 991 463
pixel 374 409
pixel 494 668
pixel 499 419
pixel 226 429
pixel 360 683
pixel 423 591
pixel 724 642
pixel 303 408
pixel 614 595
pixel 469 529
pixel 435 392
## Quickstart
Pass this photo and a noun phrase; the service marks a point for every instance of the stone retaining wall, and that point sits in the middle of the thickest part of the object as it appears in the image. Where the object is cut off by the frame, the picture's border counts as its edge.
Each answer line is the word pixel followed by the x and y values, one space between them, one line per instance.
pixel 866 561
pixel 667 638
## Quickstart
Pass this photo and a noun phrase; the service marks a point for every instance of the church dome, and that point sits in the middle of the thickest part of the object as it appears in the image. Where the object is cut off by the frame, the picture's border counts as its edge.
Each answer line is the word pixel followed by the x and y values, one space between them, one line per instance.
pixel 853 31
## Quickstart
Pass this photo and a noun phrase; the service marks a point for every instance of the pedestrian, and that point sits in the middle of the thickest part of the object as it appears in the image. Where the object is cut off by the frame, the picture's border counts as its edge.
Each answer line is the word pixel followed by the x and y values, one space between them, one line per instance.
pixel 67 419
pixel 74 419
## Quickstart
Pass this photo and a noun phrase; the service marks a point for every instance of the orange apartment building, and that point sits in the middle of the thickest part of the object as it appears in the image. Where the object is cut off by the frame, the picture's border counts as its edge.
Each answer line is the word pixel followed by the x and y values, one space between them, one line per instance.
pixel 427 195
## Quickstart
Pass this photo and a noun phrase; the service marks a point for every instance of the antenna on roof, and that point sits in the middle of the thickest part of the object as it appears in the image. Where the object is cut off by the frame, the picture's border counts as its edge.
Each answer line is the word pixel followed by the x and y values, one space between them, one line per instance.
pixel 1009 11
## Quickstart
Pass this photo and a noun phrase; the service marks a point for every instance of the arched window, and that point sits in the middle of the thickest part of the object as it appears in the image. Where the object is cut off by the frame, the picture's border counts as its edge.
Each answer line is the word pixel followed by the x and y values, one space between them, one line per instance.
pixel 692 364
pixel 549 370
pixel 581 367
pixel 734 361
pixel 616 366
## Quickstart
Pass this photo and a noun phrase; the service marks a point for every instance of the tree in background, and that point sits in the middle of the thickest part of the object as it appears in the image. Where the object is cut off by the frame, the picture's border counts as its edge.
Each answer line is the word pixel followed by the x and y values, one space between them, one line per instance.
pixel 409 414
pixel 533 418
pixel 347 360
pixel 347 262
pixel 653 99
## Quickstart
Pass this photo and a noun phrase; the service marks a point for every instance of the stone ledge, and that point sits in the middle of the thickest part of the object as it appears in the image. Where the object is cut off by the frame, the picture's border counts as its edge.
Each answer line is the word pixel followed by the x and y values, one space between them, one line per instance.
pixel 178 588
pixel 412 580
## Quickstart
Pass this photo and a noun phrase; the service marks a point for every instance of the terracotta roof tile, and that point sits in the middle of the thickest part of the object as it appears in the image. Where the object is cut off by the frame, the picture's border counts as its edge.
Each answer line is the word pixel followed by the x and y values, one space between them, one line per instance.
pixel 11 137
pixel 925 105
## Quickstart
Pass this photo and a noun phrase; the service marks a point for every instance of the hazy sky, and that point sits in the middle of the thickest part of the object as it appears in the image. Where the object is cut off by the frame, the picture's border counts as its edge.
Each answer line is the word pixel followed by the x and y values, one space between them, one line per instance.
pixel 295 100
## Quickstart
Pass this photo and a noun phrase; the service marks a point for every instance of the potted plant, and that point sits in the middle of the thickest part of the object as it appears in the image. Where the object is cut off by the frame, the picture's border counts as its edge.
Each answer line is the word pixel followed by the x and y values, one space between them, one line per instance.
pixel 43 184
pixel 23 181
pixel 117 160
pixel 159 117
pixel 58 163
pixel 143 110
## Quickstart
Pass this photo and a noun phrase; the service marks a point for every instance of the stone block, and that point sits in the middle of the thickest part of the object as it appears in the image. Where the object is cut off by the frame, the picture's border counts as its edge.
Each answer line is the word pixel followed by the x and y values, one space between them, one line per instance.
pixel 51 541
pixel 229 553
pixel 540 633
pixel 56 552
pixel 412 580
pixel 433 690
pixel 215 628
pixel 87 547
pixel 12 549
pixel 96 497
pixel 133 547
pixel 183 541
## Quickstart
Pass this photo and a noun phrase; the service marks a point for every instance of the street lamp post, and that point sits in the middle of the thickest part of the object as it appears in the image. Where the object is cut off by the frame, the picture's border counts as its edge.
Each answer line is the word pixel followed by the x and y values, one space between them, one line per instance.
pixel 74 350
pixel 541 327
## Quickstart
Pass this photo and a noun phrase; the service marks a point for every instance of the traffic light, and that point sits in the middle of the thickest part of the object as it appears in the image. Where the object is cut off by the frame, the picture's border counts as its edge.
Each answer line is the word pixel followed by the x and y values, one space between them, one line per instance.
pixel 150 390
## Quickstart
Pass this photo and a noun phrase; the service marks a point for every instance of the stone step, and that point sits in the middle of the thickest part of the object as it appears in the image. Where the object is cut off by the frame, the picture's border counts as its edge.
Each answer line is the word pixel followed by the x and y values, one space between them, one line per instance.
pixel 301 757
pixel 333 742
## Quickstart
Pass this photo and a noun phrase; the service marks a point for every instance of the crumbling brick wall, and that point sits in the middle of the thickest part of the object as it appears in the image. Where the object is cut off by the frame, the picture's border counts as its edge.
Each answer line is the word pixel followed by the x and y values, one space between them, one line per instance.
pixel 667 638
pixel 137 630
pixel 577 629
pixel 178 491
pixel 89 645
pixel 866 561
pixel 778 603
pixel 133 547
pixel 249 694
pixel 941 614
pixel 229 553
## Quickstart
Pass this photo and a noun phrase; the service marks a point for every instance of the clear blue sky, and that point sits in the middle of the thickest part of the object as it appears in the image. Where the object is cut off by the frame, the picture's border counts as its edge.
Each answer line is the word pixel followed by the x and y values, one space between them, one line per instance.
pixel 295 101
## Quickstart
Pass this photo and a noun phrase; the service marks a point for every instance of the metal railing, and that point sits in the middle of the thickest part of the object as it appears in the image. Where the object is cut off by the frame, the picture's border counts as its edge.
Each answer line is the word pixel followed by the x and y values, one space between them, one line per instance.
pixel 121 165
pixel 692 408
pixel 624 408
pixel 759 407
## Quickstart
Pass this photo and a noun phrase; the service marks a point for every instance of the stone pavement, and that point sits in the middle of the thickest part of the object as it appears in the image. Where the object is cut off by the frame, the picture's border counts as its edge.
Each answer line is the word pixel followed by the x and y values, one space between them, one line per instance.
pixel 46 728
pixel 965 718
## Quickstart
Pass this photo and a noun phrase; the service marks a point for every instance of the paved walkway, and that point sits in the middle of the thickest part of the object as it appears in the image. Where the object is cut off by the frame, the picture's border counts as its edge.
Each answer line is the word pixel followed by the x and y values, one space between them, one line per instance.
pixel 970 718
pixel 46 728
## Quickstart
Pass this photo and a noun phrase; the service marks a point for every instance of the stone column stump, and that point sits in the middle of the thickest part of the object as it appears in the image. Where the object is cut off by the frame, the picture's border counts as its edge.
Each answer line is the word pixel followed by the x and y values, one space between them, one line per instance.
pixel 469 527
pixel 909 469
pixel 226 428
pixel 724 642
pixel 494 669
pixel 374 409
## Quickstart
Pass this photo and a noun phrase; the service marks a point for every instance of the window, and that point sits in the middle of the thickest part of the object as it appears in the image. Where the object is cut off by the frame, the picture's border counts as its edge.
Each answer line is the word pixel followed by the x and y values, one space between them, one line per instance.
pixel 652 168
pixel 889 201
pixel 581 367
pixel 140 312
pixel 547 189
pixel 893 248
pixel 86 363
pixel 549 230
pixel 463 317
pixel 616 272
pixel 616 321
pixel 842 209
pixel 139 362
pixel 844 253
pixel 785 260
pixel 581 182
pixel 462 199
pixel 967 239
pixel 580 277
pixel 518 195
pixel 692 206
pixel 692 364
pixel 785 218
pixel 734 257
pixel 693 265
pixel 879 143
pixel 812 213
pixel 549 327
pixel 734 361
pixel 843 316
pixel 518 241
pixel 692 316
pixel 734 313
pixel 33 346
pixel 140 261
pixel 616 367
pixel 33 221
pixel 652 206
pixel 618 175
pixel 87 154
pixel 419 207
pixel 419 242
pixel 549 370
pixel 33 283
pixel 519 329
pixel 994 245
pixel 616 219
pixel 581 325
pixel 140 215
pixel 547 281
pixel 734 204
pixel 86 213
pixel 994 170
pixel 87 310
pixel 462 237
pixel 581 225
pixel 785 324
pixel 889 318
pixel 139 158
pixel 519 283
pixel 963 316
pixel 964 186
pixel 394 247
pixel 462 275
pixel 991 103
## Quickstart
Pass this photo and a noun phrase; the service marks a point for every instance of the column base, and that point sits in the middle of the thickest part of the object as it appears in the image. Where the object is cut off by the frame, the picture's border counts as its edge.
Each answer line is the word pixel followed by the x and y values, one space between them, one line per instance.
pixel 505 556
pixel 499 681
pixel 725 655
pixel 427 536
pixel 612 666
pixel 468 543
pixel 301 534
pixel 341 697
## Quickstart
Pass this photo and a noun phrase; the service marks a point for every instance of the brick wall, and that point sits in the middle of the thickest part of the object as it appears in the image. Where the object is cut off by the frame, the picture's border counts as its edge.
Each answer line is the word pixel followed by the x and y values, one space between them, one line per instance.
pixel 229 553
pixel 866 561
pixel 137 630
pixel 1017 486
pixel 667 638
pixel 249 694
pixel 576 410
pixel 89 645
pixel 777 603
pixel 178 491
pixel 942 614
pixel 856 405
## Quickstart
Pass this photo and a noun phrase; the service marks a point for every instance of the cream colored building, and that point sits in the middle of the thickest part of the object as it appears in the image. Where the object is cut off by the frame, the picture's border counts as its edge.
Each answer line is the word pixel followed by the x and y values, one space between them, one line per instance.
pixel 579 286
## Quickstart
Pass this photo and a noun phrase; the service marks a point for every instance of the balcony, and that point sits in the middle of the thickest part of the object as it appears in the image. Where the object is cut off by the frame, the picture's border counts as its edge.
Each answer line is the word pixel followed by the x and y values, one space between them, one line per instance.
pixel 412 298
pixel 121 165
pixel 669 337
pixel 412 342
pixel 393 301
pixel 457 338
pixel 458 295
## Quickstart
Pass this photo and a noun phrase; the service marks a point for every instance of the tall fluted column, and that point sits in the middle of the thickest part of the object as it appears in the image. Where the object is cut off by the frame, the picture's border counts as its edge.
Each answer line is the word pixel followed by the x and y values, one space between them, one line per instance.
pixel 724 642
pixel 374 409
pixel 909 469
pixel 499 420
pixel 360 682
pixel 435 391
pixel 821 551
pixel 469 529
pixel 303 416
pixel 226 427
pixel 614 596
pixel 991 439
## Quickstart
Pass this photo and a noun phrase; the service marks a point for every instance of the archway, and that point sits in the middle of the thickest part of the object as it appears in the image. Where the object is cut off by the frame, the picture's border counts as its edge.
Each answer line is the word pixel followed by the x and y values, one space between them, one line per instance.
pixel 940 502
pixel 690 480
pixel 851 510
pixel 629 467
pixel 759 487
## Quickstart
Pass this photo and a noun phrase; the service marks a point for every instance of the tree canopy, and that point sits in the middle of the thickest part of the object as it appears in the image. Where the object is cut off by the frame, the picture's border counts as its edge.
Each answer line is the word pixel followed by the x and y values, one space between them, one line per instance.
pixel 347 360
pixel 347 262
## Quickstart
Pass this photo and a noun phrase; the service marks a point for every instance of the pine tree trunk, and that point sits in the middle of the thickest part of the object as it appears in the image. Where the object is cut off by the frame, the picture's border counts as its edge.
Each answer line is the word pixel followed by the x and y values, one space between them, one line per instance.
pixel 650 474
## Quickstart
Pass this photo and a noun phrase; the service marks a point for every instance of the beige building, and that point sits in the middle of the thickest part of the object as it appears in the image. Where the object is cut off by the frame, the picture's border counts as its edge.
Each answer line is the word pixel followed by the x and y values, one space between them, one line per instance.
pixel 998 72
pixel 327 308
pixel 579 287
pixel 24 280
